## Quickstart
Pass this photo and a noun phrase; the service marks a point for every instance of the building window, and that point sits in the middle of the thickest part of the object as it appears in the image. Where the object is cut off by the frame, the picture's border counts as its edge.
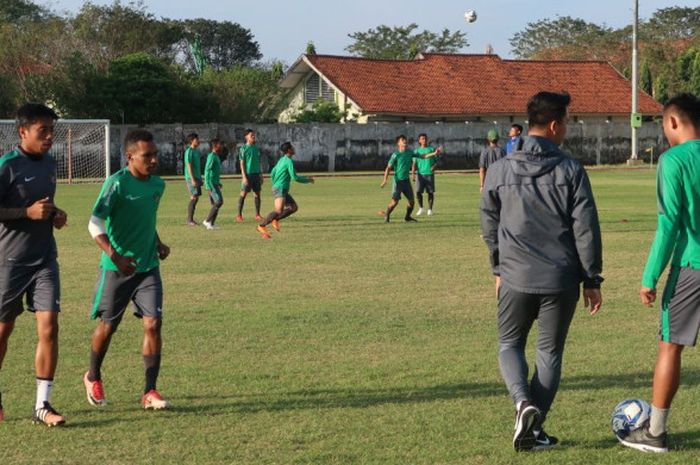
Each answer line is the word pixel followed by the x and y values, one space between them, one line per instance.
pixel 316 88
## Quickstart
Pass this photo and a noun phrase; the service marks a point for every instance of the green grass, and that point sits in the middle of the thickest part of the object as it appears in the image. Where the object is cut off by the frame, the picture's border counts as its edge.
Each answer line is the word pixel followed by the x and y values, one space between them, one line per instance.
pixel 341 341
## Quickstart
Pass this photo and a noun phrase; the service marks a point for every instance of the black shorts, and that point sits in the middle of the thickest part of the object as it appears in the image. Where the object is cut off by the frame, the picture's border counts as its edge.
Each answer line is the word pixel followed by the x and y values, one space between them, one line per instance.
pixel 39 283
pixel 114 291
pixel 254 183
pixel 680 307
pixel 402 187
pixel 425 183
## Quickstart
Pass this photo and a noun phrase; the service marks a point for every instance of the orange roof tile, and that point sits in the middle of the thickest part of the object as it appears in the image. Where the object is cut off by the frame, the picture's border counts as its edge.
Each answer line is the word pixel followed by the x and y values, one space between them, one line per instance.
pixel 444 85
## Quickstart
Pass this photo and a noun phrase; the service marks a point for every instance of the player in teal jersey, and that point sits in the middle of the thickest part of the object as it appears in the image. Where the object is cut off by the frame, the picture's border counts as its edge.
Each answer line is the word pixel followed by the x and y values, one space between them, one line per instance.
pixel 28 266
pixel 251 174
pixel 123 224
pixel 425 182
pixel 400 161
pixel 193 175
pixel 212 181
pixel 282 175
pixel 677 240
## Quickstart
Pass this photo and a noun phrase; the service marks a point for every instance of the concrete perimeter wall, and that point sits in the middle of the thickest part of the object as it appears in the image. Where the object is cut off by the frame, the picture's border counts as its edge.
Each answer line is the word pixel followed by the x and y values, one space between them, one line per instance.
pixel 360 147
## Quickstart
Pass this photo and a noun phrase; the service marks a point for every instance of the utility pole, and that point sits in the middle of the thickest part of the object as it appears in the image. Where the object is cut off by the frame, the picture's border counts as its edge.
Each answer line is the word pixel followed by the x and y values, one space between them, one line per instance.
pixel 635 118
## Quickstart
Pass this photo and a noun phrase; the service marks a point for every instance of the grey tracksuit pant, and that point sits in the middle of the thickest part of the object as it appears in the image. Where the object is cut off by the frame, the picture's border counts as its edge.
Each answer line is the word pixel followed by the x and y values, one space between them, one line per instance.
pixel 517 311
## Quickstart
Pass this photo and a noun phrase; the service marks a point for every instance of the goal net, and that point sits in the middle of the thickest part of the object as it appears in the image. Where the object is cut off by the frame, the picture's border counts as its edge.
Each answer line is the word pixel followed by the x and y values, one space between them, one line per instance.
pixel 80 147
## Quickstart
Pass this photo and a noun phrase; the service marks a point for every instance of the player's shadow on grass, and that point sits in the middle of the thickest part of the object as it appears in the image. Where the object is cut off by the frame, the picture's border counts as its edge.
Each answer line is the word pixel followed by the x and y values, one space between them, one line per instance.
pixel 621 380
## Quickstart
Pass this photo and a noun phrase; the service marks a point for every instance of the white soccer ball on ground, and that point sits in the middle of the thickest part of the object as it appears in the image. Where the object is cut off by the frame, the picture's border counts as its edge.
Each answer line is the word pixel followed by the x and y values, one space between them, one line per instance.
pixel 629 415
pixel 470 16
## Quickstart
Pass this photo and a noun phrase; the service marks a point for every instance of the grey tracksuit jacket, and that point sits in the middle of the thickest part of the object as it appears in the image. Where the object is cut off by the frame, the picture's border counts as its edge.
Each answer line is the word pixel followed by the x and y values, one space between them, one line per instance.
pixel 539 220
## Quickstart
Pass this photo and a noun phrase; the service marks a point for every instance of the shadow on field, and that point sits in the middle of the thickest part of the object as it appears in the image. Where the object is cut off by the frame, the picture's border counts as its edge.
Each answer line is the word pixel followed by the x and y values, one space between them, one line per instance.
pixel 346 398
pixel 621 380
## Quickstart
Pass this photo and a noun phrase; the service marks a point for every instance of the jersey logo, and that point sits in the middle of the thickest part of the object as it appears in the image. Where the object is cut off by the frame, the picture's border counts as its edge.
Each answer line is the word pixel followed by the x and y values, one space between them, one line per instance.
pixel 133 197
pixel 26 179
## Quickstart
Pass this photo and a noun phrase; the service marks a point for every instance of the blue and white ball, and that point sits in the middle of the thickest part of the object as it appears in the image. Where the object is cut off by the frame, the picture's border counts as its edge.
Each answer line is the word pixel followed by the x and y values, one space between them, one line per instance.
pixel 470 16
pixel 629 415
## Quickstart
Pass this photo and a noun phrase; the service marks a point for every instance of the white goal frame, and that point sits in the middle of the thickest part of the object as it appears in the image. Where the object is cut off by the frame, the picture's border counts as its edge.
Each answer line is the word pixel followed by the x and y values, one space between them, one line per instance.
pixel 7 145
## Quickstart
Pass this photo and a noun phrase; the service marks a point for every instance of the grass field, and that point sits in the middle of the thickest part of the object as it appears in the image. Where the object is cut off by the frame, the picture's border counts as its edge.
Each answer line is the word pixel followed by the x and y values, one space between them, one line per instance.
pixel 341 341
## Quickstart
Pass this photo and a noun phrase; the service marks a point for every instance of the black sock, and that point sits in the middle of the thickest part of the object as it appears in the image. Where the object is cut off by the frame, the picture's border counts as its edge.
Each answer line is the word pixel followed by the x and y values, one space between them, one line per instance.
pixel 152 365
pixel 96 359
pixel 389 210
pixel 190 208
pixel 431 197
pixel 257 205
pixel 409 210
pixel 420 199
pixel 288 210
pixel 211 218
pixel 241 201
pixel 270 218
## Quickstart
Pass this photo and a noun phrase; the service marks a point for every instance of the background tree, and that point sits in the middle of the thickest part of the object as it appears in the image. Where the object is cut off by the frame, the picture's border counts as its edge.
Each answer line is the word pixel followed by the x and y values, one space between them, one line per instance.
pixel 645 79
pixel 403 43
pixel 310 48
pixel 322 111
pixel 19 11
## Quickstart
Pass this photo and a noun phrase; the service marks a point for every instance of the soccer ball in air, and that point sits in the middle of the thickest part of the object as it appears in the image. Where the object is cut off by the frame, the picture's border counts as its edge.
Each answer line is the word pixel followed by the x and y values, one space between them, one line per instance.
pixel 470 16
pixel 629 415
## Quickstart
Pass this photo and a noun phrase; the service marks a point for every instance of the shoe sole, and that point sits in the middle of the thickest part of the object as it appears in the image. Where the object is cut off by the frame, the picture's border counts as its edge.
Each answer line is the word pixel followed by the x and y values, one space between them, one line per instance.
pixel 524 439
pixel 541 447
pixel 643 447
pixel 49 425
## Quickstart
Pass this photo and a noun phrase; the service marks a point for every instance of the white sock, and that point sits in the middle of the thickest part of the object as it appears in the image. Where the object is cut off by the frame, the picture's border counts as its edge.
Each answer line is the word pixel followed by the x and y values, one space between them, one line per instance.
pixel 43 391
pixel 657 422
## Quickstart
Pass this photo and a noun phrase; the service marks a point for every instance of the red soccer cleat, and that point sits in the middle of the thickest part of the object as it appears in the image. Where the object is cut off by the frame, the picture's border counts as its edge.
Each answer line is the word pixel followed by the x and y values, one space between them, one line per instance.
pixel 153 400
pixel 239 218
pixel 95 391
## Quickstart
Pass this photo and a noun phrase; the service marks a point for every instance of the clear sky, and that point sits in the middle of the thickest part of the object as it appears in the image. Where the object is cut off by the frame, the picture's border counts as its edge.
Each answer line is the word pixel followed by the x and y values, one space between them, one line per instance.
pixel 283 27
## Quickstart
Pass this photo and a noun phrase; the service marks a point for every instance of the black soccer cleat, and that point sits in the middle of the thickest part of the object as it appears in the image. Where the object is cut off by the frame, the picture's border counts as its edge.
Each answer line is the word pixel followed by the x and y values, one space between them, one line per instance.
pixel 410 219
pixel 641 439
pixel 544 441
pixel 525 419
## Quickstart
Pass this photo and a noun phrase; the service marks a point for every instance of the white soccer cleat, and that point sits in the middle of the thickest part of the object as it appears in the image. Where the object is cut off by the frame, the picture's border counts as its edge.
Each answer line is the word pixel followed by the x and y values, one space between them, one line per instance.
pixel 419 212
pixel 209 226
pixel 430 213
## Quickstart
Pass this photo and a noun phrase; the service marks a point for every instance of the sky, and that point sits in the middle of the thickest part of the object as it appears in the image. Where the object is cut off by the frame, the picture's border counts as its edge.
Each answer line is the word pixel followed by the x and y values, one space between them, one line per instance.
pixel 283 27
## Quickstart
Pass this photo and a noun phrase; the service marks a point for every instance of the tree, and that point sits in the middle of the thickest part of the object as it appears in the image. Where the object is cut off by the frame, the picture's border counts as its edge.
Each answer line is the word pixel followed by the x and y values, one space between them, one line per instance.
pixel 322 111
pixel 646 81
pixel 224 44
pixel 310 48
pixel 560 33
pixel 402 43
pixel 19 11
pixel 661 89
pixel 673 23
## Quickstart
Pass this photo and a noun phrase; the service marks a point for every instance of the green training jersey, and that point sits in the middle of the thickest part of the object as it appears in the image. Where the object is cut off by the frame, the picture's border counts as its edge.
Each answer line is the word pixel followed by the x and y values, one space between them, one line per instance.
pixel 401 162
pixel 283 173
pixel 212 171
pixel 678 223
pixel 129 206
pixel 193 157
pixel 250 156
pixel 425 165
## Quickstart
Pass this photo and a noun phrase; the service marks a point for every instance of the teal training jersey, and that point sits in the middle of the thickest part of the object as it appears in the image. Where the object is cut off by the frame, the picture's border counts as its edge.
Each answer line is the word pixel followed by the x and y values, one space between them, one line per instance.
pixel 193 157
pixel 401 162
pixel 283 173
pixel 129 206
pixel 250 155
pixel 678 224
pixel 425 165
pixel 212 171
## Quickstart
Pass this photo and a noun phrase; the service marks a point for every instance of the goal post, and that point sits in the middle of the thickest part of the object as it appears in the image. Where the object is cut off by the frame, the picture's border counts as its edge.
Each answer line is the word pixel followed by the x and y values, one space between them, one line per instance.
pixel 81 148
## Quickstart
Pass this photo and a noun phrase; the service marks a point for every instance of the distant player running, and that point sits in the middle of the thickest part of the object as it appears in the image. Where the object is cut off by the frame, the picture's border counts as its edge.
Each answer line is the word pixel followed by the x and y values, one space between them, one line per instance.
pixel 251 174
pixel 28 265
pixel 212 181
pixel 193 175
pixel 123 224
pixel 282 175
pixel 678 240
pixel 400 161
pixel 489 155
pixel 425 182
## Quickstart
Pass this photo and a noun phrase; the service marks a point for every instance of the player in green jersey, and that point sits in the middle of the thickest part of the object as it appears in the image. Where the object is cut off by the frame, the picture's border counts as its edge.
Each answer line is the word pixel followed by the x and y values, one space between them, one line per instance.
pixel 212 181
pixel 123 224
pixel 425 182
pixel 677 240
pixel 400 161
pixel 282 175
pixel 193 175
pixel 251 174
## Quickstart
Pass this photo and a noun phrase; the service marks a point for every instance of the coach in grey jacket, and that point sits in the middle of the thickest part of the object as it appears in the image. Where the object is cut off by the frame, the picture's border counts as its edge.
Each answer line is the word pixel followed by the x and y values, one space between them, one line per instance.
pixel 540 223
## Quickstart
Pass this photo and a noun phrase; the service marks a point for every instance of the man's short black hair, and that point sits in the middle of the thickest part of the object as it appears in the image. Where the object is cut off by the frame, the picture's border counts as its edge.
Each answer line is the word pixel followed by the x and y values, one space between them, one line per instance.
pixel 422 134
pixel 137 135
pixel 30 113
pixel 191 136
pixel 248 131
pixel 399 137
pixel 286 147
pixel 686 105
pixel 518 127
pixel 545 107
pixel 214 141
